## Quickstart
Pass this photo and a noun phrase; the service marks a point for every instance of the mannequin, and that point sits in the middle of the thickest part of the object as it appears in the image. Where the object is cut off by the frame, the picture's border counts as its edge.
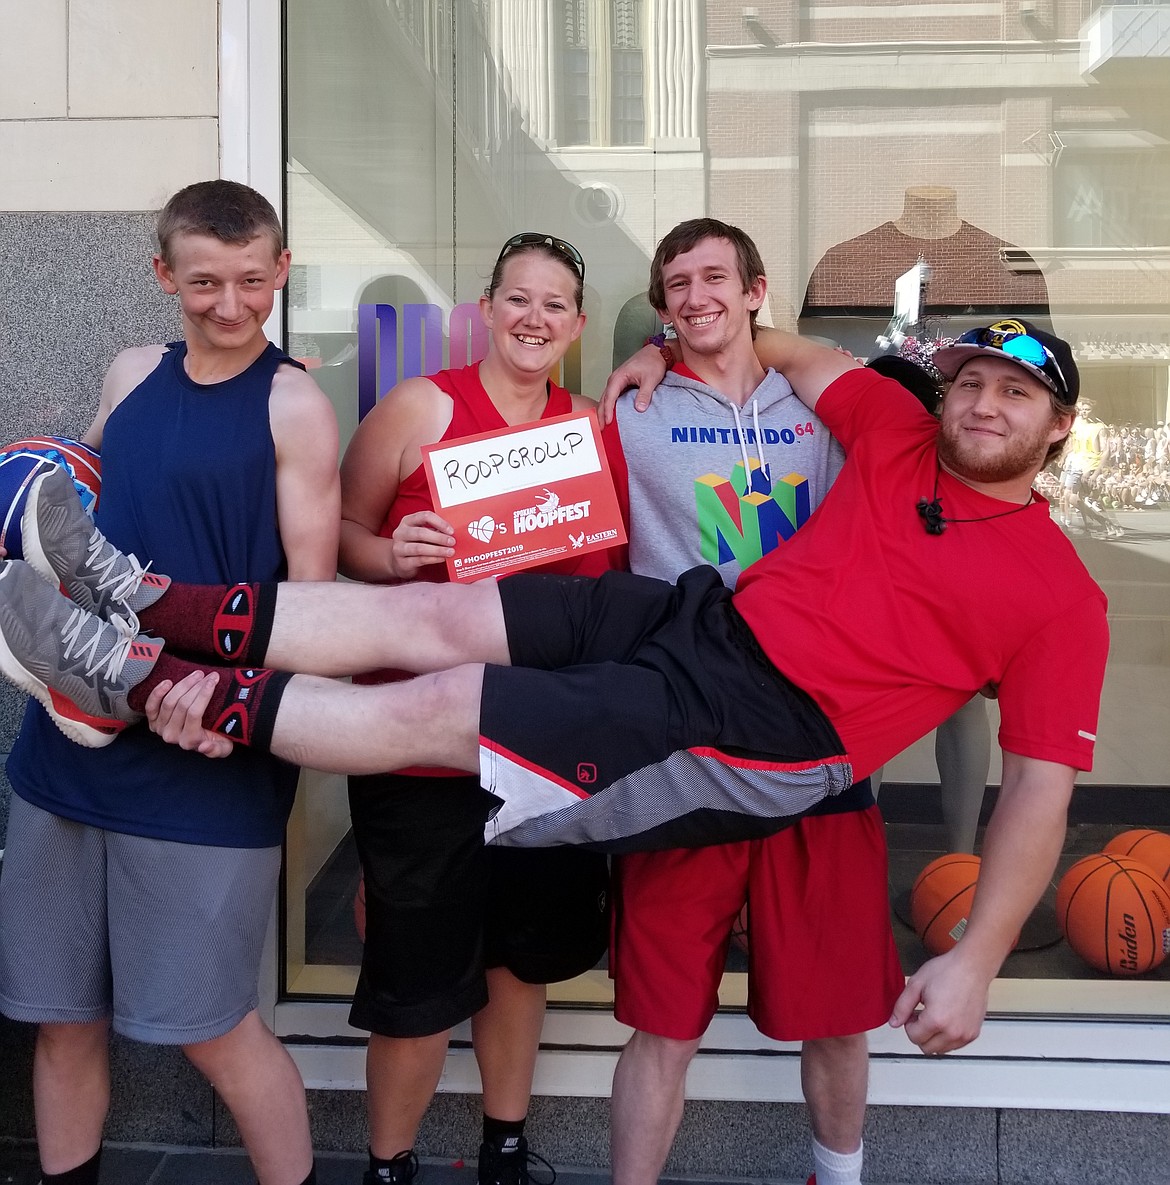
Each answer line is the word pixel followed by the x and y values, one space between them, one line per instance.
pixel 849 299
pixel 962 743
pixel 962 751
pixel 930 212
pixel 969 278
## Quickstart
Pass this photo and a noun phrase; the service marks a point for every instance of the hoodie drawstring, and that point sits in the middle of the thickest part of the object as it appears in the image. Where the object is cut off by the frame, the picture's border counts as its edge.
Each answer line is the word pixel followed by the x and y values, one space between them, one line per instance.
pixel 765 468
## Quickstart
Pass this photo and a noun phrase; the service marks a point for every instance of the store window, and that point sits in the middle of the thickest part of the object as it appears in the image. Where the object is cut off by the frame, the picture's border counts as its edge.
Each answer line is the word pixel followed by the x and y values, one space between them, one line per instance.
pixel 1022 154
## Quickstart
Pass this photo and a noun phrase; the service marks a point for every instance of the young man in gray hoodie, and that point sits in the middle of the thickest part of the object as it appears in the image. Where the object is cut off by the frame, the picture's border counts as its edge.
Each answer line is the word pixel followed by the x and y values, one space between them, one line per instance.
pixel 723 466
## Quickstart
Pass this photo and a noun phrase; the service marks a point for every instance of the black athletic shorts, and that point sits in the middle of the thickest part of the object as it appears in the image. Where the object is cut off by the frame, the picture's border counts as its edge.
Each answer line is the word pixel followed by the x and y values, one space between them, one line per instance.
pixel 640 715
pixel 441 907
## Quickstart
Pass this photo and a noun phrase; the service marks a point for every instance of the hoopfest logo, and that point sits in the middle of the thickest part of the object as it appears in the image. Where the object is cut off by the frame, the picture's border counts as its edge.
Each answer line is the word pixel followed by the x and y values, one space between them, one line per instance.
pixel 744 527
pixel 547 512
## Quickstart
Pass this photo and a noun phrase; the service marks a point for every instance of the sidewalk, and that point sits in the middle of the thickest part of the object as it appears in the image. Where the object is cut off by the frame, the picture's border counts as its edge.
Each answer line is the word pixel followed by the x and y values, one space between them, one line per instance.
pixel 138 1164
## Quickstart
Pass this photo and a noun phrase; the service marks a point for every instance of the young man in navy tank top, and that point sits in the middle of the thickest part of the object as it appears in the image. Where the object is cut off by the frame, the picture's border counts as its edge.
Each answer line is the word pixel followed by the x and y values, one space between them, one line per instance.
pixel 145 885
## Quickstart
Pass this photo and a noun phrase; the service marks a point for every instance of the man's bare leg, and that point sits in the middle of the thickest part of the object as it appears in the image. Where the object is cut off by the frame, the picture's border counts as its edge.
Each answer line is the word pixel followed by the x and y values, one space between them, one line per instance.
pixel 262 1088
pixel 341 728
pixel 431 720
pixel 71 1092
pixel 322 629
pixel 341 629
pixel 834 1075
pixel 646 1106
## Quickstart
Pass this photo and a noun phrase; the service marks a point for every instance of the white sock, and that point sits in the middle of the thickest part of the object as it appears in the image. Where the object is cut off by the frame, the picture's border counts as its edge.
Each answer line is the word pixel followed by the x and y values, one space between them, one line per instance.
pixel 837 1168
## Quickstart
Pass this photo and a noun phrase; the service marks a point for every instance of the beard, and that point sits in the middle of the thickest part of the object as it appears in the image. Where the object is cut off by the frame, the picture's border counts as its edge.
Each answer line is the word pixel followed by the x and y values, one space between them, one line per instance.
pixel 1019 455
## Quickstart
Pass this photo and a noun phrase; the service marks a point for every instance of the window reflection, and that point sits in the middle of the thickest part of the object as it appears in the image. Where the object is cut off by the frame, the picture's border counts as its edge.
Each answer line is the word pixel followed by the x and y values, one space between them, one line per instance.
pixel 1023 151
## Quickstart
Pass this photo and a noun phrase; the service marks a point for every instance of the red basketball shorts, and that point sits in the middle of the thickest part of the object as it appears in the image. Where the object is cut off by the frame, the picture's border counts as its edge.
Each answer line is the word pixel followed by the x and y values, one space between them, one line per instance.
pixel 821 955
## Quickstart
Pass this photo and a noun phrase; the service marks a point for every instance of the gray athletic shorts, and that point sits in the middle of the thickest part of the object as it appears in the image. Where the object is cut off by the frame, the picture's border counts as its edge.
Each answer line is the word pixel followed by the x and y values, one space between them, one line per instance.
pixel 165 938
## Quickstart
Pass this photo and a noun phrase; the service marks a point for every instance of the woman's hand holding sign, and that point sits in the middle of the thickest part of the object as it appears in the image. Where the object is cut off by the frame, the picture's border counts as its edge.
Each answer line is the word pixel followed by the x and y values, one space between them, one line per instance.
pixel 420 539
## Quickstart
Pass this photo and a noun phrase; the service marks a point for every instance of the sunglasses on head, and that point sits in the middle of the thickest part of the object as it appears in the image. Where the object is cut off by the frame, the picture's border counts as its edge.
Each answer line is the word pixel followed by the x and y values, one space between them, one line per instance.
pixel 532 238
pixel 1024 348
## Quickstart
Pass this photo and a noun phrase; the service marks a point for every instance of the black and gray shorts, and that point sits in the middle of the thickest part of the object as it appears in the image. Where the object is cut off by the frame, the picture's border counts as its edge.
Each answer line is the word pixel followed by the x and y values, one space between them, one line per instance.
pixel 640 715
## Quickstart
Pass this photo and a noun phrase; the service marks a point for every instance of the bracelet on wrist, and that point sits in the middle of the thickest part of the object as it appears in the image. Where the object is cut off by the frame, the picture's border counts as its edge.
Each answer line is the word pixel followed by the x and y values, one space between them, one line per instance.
pixel 662 342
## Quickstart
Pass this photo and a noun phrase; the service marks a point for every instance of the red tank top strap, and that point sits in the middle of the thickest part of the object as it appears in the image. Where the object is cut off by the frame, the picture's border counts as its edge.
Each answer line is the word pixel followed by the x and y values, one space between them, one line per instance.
pixel 473 412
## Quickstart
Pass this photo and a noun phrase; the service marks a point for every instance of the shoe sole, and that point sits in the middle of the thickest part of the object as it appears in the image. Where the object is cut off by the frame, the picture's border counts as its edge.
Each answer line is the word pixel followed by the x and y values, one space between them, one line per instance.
pixel 90 731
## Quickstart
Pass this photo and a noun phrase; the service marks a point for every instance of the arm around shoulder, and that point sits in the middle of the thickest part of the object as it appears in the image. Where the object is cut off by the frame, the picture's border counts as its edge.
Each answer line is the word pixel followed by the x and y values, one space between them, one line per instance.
pixel 642 371
pixel 807 365
pixel 308 490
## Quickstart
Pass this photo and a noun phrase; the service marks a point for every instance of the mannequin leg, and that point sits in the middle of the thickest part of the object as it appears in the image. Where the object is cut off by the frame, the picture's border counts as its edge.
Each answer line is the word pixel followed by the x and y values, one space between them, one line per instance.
pixel 875 780
pixel 962 748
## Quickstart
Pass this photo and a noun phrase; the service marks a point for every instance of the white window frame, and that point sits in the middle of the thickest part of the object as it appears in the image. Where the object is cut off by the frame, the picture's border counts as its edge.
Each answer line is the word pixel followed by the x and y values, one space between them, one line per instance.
pixel 251 122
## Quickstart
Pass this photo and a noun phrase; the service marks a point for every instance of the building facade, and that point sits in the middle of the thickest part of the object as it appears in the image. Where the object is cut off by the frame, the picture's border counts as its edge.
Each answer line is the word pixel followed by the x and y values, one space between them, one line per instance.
pixel 1019 149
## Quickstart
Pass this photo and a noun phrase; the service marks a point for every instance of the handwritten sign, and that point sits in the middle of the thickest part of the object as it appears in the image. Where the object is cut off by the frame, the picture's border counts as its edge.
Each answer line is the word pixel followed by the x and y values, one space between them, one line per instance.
pixel 524 496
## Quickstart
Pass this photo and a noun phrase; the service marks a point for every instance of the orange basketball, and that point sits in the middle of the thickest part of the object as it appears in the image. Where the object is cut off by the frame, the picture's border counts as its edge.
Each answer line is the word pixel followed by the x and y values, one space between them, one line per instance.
pixel 940 900
pixel 1150 847
pixel 1115 913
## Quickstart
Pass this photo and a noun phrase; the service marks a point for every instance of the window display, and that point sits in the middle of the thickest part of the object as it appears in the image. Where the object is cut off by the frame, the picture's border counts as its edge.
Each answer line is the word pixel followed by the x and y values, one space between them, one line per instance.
pixel 851 141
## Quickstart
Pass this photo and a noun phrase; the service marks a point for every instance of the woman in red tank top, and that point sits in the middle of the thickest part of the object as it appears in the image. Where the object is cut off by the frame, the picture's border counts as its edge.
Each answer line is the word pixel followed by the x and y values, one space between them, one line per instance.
pixel 454 930
pixel 532 309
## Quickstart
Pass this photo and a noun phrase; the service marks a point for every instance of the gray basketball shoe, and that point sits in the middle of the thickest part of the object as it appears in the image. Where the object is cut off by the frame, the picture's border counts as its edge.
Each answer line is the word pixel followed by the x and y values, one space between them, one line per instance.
pixel 63 546
pixel 78 666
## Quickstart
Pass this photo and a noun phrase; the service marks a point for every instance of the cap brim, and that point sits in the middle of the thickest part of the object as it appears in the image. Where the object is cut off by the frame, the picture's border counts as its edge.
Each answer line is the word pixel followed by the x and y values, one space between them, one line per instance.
pixel 951 359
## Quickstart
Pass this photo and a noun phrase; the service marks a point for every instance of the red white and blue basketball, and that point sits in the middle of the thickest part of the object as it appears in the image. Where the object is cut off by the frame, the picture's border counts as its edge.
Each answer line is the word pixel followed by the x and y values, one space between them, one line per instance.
pixel 20 464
